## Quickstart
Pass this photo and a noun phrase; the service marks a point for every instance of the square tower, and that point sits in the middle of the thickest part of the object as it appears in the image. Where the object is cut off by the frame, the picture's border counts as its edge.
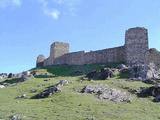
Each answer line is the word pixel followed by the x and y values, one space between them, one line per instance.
pixel 57 50
pixel 136 45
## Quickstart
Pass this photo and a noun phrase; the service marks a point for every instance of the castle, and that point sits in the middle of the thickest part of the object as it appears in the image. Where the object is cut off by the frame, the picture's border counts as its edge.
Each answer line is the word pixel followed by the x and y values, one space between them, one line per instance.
pixel 136 50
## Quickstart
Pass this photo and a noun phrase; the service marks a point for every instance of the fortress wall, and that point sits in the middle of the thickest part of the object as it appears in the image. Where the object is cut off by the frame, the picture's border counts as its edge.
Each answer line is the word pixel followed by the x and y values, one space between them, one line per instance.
pixel 101 56
pixel 135 51
pixel 105 56
pixel 75 58
pixel 153 56
pixel 47 61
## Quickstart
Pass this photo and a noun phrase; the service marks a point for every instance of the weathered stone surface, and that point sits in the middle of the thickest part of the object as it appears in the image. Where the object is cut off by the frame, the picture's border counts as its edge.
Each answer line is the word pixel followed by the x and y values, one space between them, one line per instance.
pixel 10 75
pixel 122 66
pixel 24 96
pixel 153 56
pixel 151 91
pixel 135 51
pixel 2 86
pixel 103 74
pixel 106 93
pixel 16 117
pixel 3 75
pixel 63 82
pixel 40 61
pixel 51 90
pixel 136 44
pixel 145 72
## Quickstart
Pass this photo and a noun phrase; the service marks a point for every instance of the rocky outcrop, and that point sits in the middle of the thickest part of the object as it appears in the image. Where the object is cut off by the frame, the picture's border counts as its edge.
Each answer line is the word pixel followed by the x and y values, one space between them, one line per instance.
pixel 103 74
pixel 151 91
pixel 106 93
pixel 144 72
pixel 51 90
pixel 3 75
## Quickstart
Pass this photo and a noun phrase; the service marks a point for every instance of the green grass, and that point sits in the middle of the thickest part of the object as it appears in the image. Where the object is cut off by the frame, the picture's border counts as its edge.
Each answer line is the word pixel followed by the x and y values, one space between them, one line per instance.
pixel 69 70
pixel 72 105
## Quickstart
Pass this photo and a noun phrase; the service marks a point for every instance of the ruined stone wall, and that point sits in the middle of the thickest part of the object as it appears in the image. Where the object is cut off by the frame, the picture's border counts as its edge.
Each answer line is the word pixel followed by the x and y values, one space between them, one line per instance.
pixel 113 55
pixel 75 58
pixel 153 56
pixel 136 45
pixel 135 51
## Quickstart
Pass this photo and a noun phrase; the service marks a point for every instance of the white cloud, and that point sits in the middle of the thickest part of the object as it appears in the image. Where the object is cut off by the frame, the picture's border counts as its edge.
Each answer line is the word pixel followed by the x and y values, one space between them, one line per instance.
pixel 51 12
pixel 10 3
pixel 56 8
pixel 55 14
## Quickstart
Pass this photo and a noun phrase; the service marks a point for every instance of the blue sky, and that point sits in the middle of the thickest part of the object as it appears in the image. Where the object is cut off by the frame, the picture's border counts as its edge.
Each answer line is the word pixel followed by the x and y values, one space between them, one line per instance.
pixel 28 27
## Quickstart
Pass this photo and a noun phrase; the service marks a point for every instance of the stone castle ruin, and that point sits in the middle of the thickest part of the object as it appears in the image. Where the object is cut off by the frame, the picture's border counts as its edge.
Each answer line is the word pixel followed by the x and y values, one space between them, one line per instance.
pixel 135 51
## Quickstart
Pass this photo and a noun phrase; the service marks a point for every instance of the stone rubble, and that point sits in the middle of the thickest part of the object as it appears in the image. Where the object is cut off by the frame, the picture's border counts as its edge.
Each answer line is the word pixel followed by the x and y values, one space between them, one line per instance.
pixel 106 93
pixel 51 90
pixel 150 91
pixel 103 74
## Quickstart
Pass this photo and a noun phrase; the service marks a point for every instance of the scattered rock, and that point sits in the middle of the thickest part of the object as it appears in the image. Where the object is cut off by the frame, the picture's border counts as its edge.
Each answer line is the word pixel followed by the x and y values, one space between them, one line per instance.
pixel 151 91
pixel 144 72
pixel 2 86
pixel 3 75
pixel 22 96
pixel 33 91
pixel 103 74
pixel 51 90
pixel 16 117
pixel 25 76
pixel 106 93
pixel 63 82
pixel 121 67
pixel 10 75
pixel 46 80
pixel 48 92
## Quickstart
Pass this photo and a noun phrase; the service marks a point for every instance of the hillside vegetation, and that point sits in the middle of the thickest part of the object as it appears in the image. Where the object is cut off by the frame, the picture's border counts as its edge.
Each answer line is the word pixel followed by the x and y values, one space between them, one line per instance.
pixel 70 104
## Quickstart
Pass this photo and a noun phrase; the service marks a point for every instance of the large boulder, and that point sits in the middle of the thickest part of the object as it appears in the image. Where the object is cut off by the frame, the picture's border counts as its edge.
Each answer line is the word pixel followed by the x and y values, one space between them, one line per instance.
pixel 3 75
pixel 10 75
pixel 2 86
pixel 103 74
pixel 145 72
pixel 106 93
pixel 151 91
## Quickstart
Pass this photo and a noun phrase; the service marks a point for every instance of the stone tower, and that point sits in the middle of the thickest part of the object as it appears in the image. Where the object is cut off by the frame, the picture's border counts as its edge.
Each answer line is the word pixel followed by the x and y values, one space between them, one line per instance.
pixel 40 61
pixel 57 50
pixel 136 45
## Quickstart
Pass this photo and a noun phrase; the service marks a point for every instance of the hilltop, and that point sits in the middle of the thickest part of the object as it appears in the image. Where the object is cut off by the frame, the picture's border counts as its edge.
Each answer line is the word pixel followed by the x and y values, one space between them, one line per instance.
pixel 70 103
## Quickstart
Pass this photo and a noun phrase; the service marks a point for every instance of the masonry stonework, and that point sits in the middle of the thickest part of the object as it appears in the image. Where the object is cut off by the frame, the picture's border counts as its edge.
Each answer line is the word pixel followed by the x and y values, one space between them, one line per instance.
pixel 153 56
pixel 40 60
pixel 136 44
pixel 135 51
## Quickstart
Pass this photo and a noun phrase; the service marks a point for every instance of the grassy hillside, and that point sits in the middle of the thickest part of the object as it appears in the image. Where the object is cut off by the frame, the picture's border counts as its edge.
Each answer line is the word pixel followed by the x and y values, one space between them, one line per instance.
pixel 70 104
